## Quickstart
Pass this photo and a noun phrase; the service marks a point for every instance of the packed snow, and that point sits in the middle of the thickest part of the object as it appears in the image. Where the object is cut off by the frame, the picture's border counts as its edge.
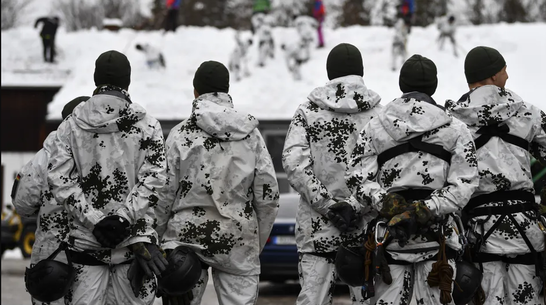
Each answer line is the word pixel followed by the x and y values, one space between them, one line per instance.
pixel 270 92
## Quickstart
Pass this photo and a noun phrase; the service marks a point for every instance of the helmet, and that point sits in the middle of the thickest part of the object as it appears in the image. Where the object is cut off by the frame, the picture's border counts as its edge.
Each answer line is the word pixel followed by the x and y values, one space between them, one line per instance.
pixel 468 279
pixel 49 280
pixel 182 273
pixel 350 266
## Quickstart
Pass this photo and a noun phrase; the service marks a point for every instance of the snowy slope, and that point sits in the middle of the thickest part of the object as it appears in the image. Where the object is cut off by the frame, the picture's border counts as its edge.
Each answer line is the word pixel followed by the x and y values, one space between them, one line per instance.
pixel 270 93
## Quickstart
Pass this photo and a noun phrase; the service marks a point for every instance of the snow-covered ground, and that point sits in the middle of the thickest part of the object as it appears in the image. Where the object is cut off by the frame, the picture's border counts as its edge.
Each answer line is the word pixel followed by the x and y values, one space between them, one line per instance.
pixel 270 92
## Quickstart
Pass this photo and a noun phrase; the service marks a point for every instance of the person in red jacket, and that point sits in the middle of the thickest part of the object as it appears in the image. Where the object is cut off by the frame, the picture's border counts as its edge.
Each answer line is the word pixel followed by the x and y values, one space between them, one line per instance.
pixel 318 13
pixel 171 21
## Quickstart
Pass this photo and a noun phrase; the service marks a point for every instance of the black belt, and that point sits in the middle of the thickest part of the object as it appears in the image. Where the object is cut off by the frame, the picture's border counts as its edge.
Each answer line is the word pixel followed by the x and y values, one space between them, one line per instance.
pixel 524 259
pixel 88 260
pixel 499 196
pixel 415 194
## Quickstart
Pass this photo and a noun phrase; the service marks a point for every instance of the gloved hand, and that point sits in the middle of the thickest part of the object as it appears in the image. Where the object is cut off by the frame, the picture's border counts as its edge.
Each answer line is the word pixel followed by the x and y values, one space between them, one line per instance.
pixel 343 216
pixel 178 300
pixel 393 204
pixel 403 225
pixel 111 230
pixel 149 260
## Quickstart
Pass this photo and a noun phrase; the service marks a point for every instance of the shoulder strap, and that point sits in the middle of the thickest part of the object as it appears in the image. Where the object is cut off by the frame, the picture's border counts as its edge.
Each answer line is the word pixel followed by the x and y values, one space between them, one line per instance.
pixel 501 131
pixel 414 145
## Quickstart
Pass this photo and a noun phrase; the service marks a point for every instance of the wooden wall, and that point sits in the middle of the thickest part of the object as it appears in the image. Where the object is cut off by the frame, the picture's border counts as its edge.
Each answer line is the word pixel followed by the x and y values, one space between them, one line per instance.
pixel 24 111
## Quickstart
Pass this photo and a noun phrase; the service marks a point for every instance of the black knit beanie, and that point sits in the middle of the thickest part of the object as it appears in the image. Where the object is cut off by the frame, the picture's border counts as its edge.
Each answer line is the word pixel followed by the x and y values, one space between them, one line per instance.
pixel 482 63
pixel 344 59
pixel 112 68
pixel 68 108
pixel 418 74
pixel 211 76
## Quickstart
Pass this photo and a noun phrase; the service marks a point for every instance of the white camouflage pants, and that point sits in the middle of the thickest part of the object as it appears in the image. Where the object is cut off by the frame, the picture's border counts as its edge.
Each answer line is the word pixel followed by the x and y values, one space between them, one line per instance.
pixel 510 284
pixel 107 285
pixel 231 289
pixel 409 281
pixel 317 279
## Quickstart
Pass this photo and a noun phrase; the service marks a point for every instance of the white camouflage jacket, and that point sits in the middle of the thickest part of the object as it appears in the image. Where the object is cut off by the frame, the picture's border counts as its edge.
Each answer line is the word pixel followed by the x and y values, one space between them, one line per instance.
pixel 503 166
pixel 108 158
pixel 322 134
pixel 33 196
pixel 222 195
pixel 405 118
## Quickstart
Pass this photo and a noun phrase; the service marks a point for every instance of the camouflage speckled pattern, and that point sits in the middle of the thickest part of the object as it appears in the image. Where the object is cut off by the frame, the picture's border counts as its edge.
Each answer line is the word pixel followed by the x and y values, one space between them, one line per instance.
pixel 511 284
pixel 317 279
pixel 108 158
pixel 503 166
pixel 321 136
pixel 409 282
pixel 231 289
pixel 114 289
pixel 403 119
pixel 34 196
pixel 222 195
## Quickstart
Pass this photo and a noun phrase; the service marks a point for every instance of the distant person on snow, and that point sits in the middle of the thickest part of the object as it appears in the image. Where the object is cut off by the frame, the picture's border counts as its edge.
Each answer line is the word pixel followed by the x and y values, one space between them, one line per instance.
pixel 318 13
pixel 238 60
pixel 154 57
pixel 48 32
pixel 171 21
pixel 447 30
pixel 266 45
pixel 399 42
pixel 406 11
pixel 299 52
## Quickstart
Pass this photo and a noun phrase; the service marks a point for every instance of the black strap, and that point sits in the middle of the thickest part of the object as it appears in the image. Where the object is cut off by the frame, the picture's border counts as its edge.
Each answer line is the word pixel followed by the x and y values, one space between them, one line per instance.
pixel 524 259
pixel 329 255
pixel 415 194
pixel 414 145
pixel 499 196
pixel 501 131
pixel 504 209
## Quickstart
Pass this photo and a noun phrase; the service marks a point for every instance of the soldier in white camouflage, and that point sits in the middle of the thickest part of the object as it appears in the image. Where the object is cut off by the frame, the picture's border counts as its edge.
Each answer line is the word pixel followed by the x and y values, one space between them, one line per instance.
pixel 502 215
pixel 322 134
pixel 31 196
pixel 415 165
pixel 107 164
pixel 222 195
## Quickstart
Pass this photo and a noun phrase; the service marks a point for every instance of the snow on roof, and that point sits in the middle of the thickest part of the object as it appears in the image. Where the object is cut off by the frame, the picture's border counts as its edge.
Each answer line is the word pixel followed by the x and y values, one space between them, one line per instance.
pixel 270 92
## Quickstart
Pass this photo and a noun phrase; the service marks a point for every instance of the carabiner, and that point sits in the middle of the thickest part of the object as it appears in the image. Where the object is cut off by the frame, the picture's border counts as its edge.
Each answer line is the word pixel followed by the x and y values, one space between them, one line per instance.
pixel 379 224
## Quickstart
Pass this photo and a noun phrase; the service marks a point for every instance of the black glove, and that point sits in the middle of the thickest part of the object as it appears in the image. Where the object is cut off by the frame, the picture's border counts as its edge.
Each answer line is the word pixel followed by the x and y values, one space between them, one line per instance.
pixel 111 230
pixel 149 260
pixel 343 216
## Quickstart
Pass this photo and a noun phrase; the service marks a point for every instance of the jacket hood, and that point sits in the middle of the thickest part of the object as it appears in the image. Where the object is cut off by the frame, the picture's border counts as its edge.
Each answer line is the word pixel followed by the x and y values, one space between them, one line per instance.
pixel 214 114
pixel 485 105
pixel 411 115
pixel 347 94
pixel 107 113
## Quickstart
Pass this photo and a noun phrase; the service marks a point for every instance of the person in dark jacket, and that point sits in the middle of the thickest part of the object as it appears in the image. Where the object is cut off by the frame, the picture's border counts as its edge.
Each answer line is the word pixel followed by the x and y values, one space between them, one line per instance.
pixel 48 32
pixel 171 21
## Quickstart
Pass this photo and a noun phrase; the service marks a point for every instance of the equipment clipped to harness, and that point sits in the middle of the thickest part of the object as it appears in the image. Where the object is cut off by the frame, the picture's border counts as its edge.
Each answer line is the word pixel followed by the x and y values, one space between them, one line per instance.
pixel 467 283
pixel 50 280
pixel 441 274
pixel 182 273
